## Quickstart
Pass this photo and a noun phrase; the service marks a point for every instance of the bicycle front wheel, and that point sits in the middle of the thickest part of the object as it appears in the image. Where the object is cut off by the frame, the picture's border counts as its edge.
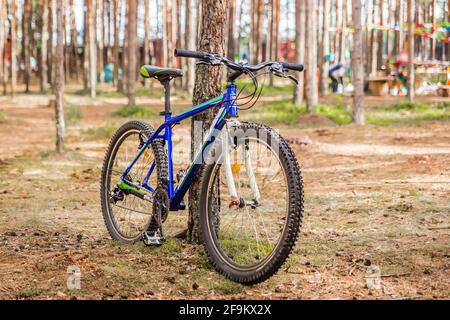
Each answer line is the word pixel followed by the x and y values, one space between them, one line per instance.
pixel 250 238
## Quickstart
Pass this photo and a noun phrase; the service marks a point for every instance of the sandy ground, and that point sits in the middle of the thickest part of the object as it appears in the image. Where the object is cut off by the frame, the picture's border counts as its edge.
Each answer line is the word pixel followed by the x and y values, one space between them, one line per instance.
pixel 377 201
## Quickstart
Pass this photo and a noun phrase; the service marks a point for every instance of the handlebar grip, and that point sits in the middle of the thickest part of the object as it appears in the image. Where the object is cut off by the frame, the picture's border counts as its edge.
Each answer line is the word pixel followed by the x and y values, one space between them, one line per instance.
pixel 190 54
pixel 293 66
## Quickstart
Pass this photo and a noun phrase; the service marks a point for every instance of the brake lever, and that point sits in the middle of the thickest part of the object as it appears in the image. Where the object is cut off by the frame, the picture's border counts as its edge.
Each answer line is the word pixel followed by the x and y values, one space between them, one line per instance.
pixel 294 79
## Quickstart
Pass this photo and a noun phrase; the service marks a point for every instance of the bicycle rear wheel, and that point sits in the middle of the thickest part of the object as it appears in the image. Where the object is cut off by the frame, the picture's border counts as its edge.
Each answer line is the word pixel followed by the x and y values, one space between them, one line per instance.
pixel 125 215
pixel 249 241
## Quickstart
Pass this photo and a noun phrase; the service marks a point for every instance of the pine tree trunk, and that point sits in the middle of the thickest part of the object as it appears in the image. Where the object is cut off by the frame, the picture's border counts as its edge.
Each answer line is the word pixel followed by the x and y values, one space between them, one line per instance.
pixel 388 32
pixel 86 46
pixel 13 48
pixel 116 42
pixel 59 78
pixel 311 56
pixel 44 41
pixel 380 38
pixel 325 65
pixel 101 41
pixel 5 65
pixel 374 43
pixel 132 52
pixel 300 34
pixel 146 37
pixel 26 23
pixel 208 85
pixel 399 34
pixel 433 21
pixel 92 12
pixel 342 45
pixel 191 43
pixel 411 50
pixel 74 40
pixel 2 40
pixel 357 65
pixel 231 29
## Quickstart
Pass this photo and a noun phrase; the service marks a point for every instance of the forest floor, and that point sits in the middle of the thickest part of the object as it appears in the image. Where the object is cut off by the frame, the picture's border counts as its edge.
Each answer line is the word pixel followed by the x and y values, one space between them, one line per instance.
pixel 377 198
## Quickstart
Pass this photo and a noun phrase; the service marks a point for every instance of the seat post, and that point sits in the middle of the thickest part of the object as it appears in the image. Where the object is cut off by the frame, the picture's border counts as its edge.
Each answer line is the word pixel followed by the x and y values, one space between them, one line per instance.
pixel 167 108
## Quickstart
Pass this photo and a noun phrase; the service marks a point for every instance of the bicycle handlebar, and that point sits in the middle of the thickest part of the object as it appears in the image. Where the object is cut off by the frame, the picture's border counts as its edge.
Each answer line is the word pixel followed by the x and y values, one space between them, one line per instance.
pixel 209 57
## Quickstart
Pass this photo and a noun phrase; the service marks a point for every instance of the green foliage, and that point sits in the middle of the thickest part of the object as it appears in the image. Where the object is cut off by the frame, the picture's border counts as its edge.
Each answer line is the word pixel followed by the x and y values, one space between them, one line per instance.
pixel 136 112
pixel 337 113
pixel 73 115
pixel 409 106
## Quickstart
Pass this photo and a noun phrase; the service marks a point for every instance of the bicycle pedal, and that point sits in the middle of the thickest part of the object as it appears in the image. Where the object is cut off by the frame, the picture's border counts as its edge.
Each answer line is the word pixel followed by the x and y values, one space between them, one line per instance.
pixel 151 239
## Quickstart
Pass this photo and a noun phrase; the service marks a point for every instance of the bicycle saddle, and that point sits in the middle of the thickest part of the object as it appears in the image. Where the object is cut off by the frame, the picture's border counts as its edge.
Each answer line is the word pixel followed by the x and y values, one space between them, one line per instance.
pixel 158 72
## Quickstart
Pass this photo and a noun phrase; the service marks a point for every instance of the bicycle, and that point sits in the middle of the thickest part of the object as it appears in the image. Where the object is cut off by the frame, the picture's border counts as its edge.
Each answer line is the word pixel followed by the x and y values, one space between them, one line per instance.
pixel 251 199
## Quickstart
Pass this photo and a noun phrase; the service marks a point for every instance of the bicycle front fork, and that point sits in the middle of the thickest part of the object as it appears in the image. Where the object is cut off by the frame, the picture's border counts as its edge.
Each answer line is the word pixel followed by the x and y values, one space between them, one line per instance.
pixel 229 168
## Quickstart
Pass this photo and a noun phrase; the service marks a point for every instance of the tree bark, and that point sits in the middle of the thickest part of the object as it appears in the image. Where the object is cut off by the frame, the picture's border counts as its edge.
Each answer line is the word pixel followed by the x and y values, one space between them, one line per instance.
pixel 358 69
pixel 300 34
pixel 26 43
pixel 132 51
pixel 101 41
pixel 74 40
pixel 13 48
pixel 3 3
pixel 59 78
pixel 433 21
pixel 311 56
pixel 399 34
pixel 191 43
pixel 411 50
pixel 43 80
pixel 116 42
pixel 207 86
pixel 325 65
pixel 231 29
pixel 146 37
pixel 91 9
pixel 374 42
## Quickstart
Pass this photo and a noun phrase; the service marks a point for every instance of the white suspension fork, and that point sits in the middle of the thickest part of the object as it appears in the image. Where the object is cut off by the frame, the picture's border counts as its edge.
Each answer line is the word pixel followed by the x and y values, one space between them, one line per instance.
pixel 251 175
pixel 227 147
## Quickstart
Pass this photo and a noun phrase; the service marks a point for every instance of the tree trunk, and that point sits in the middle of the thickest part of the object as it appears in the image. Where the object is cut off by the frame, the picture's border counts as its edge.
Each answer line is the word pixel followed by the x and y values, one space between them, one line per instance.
pixel 59 78
pixel 5 66
pixel 91 9
pixel 411 50
pixel 101 41
pixel 231 30
pixel 325 65
pixel 399 34
pixel 132 52
pixel 146 37
pixel 116 42
pixel 388 32
pixel 374 43
pixel 311 56
pixel 433 21
pixel 342 45
pixel 26 23
pixel 13 48
pixel 74 40
pixel 191 43
pixel 44 38
pixel 358 69
pixel 380 35
pixel 300 34
pixel 3 3
pixel 208 85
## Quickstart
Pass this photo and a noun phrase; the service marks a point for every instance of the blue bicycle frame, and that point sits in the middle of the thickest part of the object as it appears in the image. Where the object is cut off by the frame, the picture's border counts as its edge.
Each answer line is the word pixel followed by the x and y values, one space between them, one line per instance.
pixel 227 108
